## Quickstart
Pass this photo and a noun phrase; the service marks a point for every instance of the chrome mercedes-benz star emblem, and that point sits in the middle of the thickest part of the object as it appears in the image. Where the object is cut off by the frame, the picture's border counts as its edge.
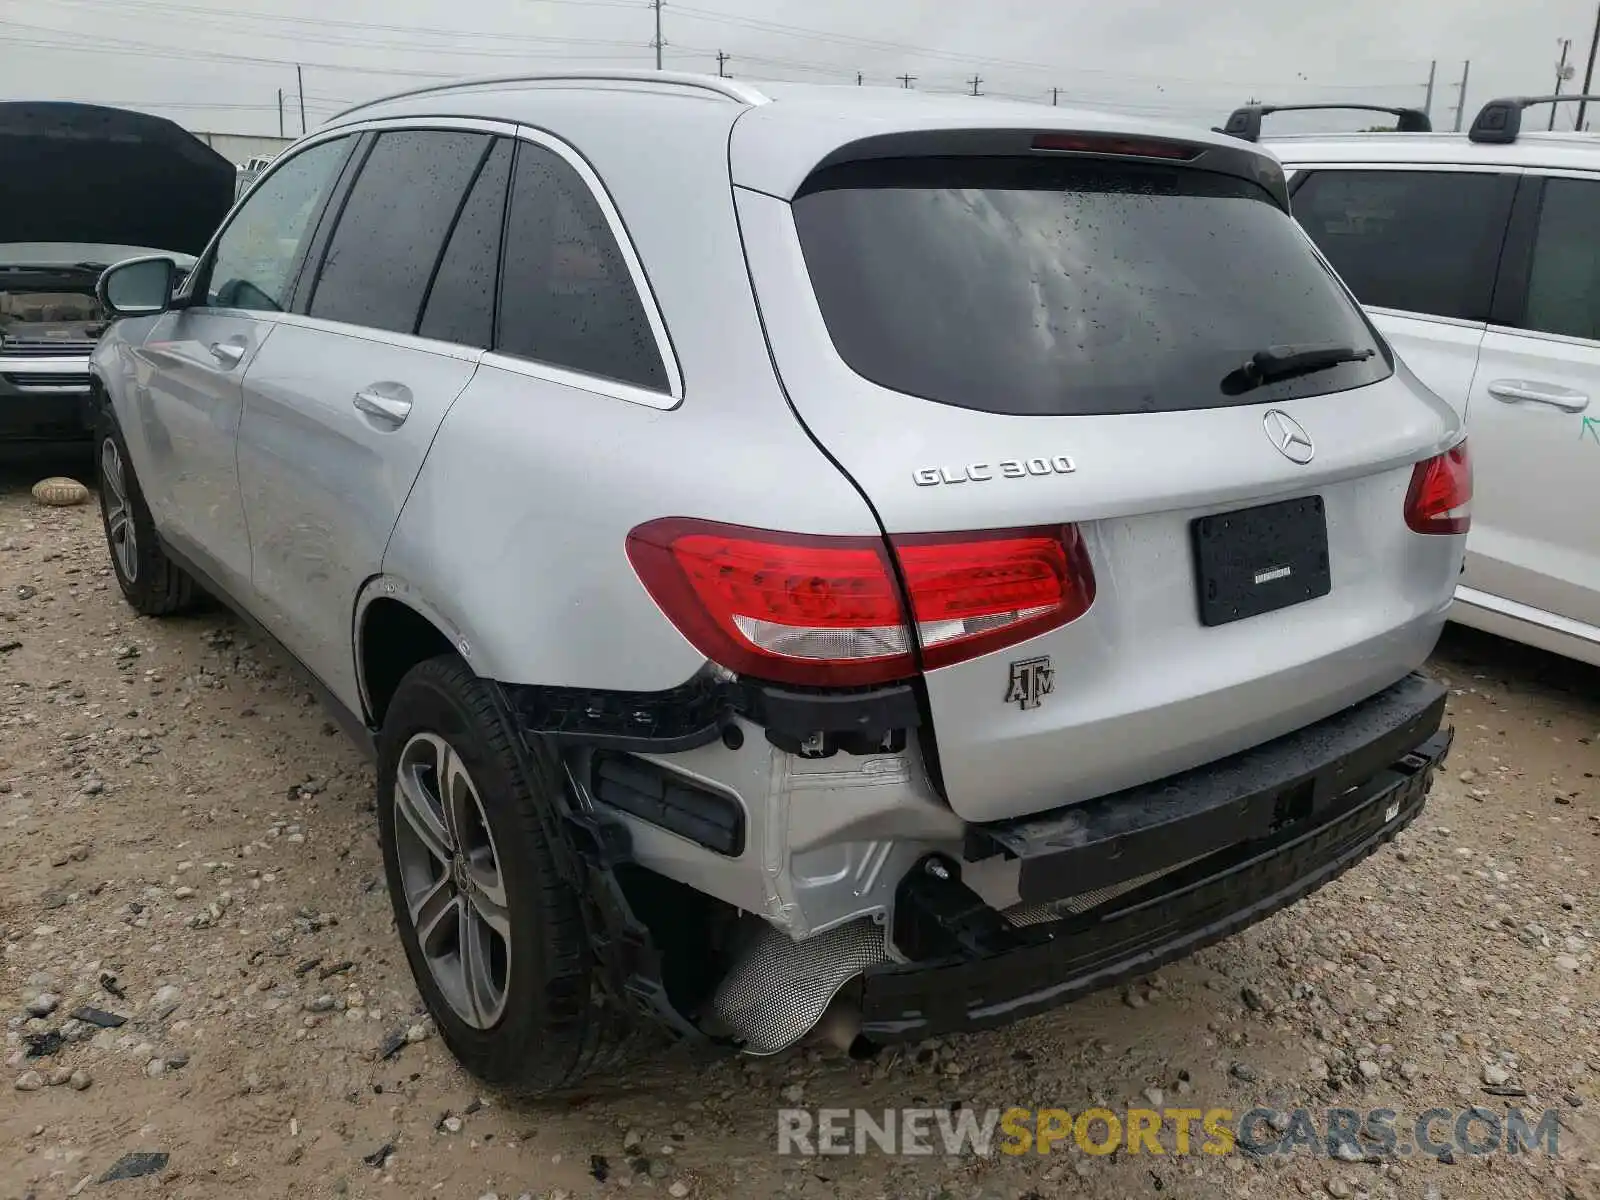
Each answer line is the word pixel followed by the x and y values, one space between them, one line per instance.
pixel 1289 436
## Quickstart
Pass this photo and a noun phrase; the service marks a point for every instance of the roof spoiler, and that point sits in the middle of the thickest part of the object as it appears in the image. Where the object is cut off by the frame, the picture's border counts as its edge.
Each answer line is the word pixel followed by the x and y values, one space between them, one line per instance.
pixel 1246 122
pixel 1499 121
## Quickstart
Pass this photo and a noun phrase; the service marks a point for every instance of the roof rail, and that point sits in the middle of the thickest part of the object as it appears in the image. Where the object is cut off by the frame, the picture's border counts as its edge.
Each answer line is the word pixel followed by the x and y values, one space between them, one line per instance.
pixel 729 88
pixel 1246 122
pixel 1500 121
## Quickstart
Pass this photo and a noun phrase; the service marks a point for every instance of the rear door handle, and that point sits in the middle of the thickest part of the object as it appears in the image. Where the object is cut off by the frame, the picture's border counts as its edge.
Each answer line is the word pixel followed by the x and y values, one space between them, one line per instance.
pixel 1522 391
pixel 393 409
pixel 230 353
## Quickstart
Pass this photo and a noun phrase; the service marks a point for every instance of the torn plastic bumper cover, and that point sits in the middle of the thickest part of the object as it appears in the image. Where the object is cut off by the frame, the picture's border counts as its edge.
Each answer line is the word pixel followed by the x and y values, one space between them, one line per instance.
pixel 1254 833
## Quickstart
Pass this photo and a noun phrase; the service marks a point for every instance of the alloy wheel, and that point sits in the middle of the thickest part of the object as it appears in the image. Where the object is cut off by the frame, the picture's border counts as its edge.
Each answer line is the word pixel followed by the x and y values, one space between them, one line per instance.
pixel 454 888
pixel 119 516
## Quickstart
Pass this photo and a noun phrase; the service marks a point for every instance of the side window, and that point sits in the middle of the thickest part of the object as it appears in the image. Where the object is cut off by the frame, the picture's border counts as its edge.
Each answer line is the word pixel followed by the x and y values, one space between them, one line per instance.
pixel 393 226
pixel 566 295
pixel 256 255
pixel 1418 241
pixel 1564 278
pixel 460 305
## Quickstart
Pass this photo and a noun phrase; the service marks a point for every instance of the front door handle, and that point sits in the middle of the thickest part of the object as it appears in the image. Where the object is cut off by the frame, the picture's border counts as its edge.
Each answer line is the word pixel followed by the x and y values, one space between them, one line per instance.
pixel 230 354
pixel 1523 391
pixel 393 409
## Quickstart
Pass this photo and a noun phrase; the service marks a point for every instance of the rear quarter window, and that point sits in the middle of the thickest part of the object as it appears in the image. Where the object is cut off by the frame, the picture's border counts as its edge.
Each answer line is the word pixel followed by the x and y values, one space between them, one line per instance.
pixel 1418 241
pixel 1068 287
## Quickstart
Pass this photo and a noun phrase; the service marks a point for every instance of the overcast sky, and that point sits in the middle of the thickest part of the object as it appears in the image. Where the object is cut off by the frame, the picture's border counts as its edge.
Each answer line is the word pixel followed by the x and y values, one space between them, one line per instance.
pixel 218 67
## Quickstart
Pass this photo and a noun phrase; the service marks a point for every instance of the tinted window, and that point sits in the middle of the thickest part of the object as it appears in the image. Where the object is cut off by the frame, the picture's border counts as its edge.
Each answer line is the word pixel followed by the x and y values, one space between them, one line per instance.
pixel 567 297
pixel 393 227
pixel 1564 282
pixel 256 256
pixel 1028 286
pixel 460 304
pixel 1413 240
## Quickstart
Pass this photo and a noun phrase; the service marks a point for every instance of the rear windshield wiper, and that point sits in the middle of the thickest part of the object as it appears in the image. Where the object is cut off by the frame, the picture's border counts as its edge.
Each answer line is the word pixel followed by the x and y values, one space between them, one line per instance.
pixel 1290 362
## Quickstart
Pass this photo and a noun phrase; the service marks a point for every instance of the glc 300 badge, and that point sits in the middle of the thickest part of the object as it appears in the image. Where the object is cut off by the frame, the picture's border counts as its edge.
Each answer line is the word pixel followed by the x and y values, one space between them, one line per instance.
pixel 1032 679
pixel 1009 468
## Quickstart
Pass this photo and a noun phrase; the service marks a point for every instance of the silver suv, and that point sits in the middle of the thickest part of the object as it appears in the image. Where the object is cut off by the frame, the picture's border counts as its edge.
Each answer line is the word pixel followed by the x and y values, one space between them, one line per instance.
pixel 800 552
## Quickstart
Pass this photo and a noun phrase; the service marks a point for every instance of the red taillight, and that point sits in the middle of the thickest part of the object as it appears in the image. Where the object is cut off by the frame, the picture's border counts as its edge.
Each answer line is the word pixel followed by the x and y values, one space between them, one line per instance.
pixel 1082 143
pixel 973 593
pixel 827 611
pixel 1440 497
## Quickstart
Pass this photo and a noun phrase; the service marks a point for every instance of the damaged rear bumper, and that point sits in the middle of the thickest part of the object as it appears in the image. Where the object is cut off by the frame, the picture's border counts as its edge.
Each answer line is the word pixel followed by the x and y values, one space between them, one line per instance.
pixel 1207 853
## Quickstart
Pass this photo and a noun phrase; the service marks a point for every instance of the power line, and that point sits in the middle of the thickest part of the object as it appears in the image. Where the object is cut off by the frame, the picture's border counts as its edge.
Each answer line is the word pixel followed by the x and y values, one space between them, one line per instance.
pixel 364 27
pixel 499 46
pixel 118 46
pixel 228 20
pixel 903 48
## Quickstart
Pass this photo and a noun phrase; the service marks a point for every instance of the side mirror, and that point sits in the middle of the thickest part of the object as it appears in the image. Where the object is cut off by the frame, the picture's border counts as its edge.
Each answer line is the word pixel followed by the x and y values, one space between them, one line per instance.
pixel 140 287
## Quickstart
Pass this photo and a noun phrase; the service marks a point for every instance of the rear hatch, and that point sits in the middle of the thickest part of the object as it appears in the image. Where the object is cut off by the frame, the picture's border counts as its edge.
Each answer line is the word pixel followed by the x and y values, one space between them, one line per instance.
pixel 1048 334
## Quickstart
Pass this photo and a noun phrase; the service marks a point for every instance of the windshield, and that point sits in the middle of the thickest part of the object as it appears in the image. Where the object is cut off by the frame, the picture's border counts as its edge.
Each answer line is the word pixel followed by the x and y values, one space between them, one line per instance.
pixel 1052 287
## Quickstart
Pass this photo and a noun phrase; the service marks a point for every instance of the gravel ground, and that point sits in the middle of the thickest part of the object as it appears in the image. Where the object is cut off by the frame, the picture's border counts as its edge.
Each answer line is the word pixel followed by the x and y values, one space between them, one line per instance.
pixel 186 843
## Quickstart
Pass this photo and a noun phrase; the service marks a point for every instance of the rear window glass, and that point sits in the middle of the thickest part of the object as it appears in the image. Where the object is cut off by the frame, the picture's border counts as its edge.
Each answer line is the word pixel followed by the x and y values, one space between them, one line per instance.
pixel 1068 287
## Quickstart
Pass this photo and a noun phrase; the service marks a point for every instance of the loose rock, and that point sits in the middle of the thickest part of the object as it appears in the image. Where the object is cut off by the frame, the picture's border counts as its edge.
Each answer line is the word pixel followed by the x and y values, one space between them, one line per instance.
pixel 136 1165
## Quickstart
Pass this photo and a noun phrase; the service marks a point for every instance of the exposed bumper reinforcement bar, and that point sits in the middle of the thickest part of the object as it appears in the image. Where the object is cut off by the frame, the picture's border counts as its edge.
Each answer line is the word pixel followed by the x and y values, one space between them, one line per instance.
pixel 1299 812
pixel 1306 775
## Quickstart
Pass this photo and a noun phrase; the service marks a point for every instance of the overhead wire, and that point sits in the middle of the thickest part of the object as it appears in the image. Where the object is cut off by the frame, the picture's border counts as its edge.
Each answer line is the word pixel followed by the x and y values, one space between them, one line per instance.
pixel 317 31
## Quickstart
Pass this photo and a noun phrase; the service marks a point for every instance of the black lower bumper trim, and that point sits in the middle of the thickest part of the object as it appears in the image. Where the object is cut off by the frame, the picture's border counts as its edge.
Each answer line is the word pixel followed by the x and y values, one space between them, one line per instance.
pixel 1306 775
pixel 56 418
pixel 1165 920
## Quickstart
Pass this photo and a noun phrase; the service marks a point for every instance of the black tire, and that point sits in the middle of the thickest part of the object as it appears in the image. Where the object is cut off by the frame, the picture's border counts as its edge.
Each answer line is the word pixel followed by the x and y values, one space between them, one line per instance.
pixel 151 582
pixel 551 1032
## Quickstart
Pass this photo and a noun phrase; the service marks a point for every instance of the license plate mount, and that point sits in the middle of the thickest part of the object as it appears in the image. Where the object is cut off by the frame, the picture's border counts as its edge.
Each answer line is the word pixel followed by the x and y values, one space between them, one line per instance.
pixel 1259 560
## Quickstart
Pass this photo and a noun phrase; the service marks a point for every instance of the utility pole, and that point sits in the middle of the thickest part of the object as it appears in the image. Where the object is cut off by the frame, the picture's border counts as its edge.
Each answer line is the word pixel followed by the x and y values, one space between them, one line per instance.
pixel 300 78
pixel 975 81
pixel 1461 99
pixel 907 80
pixel 1427 105
pixel 280 113
pixel 1055 97
pixel 1588 75
pixel 721 62
pixel 1563 73
pixel 658 42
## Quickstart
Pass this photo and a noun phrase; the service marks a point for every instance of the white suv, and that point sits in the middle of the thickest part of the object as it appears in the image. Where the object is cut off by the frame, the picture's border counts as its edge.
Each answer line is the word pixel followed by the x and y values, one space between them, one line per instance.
pixel 1478 255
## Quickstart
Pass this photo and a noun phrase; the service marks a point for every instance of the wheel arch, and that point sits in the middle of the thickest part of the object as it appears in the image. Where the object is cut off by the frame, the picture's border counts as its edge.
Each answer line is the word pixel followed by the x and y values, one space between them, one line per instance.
pixel 395 628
